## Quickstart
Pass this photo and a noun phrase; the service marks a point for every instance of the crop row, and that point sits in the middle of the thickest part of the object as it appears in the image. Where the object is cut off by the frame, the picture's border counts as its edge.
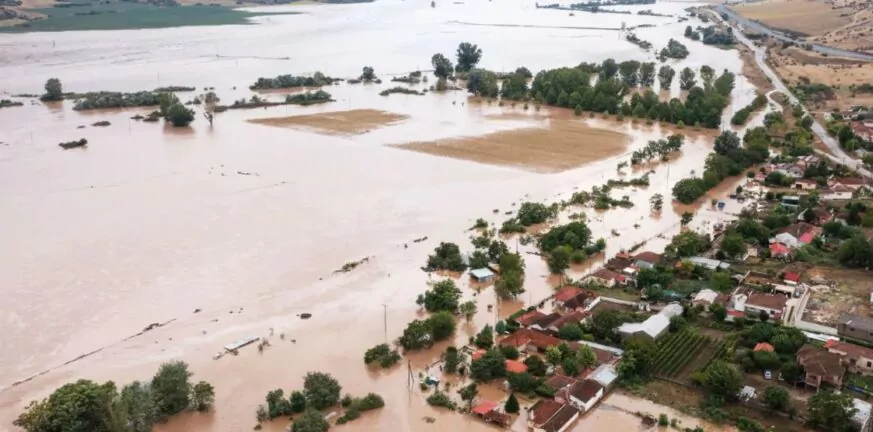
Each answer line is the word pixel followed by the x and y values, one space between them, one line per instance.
pixel 683 356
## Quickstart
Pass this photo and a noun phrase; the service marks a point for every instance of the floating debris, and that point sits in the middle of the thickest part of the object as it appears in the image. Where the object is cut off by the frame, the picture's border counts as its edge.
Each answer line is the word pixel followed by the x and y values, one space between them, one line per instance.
pixel 349 266
pixel 239 343
pixel 305 315
pixel 419 240
pixel 102 123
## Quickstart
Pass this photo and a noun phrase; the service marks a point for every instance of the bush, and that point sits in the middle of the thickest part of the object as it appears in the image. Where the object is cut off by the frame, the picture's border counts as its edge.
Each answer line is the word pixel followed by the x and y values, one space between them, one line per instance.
pixel 440 399
pixel 179 116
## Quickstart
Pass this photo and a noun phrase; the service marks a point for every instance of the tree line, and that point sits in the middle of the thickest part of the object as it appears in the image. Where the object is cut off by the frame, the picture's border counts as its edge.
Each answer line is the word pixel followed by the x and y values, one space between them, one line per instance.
pixel 87 406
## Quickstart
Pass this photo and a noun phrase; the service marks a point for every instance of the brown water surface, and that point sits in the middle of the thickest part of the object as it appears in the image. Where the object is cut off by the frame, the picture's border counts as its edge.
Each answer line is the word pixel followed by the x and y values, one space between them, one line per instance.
pixel 248 222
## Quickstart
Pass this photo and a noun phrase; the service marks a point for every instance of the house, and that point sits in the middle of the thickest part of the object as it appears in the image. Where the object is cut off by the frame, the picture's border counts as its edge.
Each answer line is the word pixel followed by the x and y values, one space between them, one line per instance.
pixel 853 183
pixel 558 382
pixel 791 278
pixel 750 302
pixel 487 410
pixel 654 326
pixel 779 250
pixel 791 170
pixel 621 265
pixel 819 217
pixel 805 184
pixel 530 318
pixel 856 358
pixel 565 294
pixel 764 346
pixel 808 161
pixel 529 340
pixel 606 277
pixel 708 263
pixel 705 297
pixel 856 327
pixel 822 367
pixel 574 317
pixel 582 301
pixel 796 235
pixel 551 416
pixel 515 366
pixel 482 275
pixel 864 131
pixel 647 259
pixel 585 394
pixel 606 375
pixel 862 417
pixel 836 192
pixel 544 322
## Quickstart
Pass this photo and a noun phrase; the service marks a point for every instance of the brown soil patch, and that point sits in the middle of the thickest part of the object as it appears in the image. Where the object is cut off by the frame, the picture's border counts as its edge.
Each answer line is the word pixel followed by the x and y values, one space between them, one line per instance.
pixel 340 122
pixel 751 70
pixel 804 16
pixel 561 145
pixel 795 65
pixel 847 292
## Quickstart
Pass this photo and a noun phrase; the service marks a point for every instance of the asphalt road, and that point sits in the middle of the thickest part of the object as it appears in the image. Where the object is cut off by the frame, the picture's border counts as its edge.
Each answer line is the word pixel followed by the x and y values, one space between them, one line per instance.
pixel 823 49
pixel 836 153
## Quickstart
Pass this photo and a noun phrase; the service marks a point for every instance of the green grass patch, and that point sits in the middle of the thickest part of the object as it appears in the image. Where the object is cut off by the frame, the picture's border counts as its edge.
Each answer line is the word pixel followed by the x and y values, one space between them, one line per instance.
pixel 129 16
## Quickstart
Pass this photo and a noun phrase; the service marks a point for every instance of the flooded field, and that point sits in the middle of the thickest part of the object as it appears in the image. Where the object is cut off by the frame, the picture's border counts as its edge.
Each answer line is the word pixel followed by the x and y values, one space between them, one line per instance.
pixel 341 122
pixel 247 222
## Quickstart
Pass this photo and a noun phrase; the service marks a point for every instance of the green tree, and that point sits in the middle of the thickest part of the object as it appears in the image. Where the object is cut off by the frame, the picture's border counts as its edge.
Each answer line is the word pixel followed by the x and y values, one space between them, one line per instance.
pixel 368 73
pixel 510 352
pixel 728 142
pixel 830 411
pixel 82 406
pixel 310 421
pixel 277 405
pixel 554 355
pixel 468 56
pixel 443 296
pixel 485 338
pixel 468 310
pixel 179 115
pixel 54 90
pixel 665 77
pixel 677 323
pixel 202 396
pixel 777 398
pixel 647 74
pixel 523 382
pixel 788 340
pixel 571 331
pixel 297 402
pixel 721 281
pixel 723 380
pixel 452 358
pixel 535 365
pixel 766 360
pixel 733 245
pixel 559 259
pixel 165 101
pixel 446 256
pixel 686 79
pixel 479 259
pixel 570 367
pixel 468 393
pixel 491 365
pixel 656 202
pixel 170 389
pixel 511 405
pixel 134 408
pixel 585 357
pixel 442 67
pixel 322 390
pixel 718 311
pixel 441 325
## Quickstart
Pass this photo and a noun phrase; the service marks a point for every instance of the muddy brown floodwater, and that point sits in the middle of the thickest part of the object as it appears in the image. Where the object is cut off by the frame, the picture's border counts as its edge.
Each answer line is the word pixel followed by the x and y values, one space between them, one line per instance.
pixel 247 222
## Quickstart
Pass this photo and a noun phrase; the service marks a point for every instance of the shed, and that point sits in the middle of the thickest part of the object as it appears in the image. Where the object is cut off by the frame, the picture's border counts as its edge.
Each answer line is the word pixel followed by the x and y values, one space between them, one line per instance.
pixel 484 408
pixel 482 275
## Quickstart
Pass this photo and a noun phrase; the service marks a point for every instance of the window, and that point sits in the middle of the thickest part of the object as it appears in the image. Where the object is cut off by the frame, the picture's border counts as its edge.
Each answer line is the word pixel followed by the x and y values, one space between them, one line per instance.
pixel 869 363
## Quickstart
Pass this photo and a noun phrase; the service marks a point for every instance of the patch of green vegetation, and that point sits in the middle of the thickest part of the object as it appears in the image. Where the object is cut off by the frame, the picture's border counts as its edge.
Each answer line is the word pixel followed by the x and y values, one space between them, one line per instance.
pixel 130 15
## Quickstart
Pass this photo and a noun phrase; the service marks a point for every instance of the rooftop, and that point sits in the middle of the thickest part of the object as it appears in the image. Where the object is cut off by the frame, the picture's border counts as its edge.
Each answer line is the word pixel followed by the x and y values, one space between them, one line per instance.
pixel 558 382
pixel 792 276
pixel 864 323
pixel 850 181
pixel 585 390
pixel 709 263
pixel 654 325
pixel 572 317
pixel 649 257
pixel 820 362
pixel 605 375
pixel 851 350
pixel 481 273
pixel 799 229
pixel 527 336
pixel 548 319
pixel 605 274
pixel 769 301
pixel 779 249
pixel 484 407
pixel 580 300
pixel 567 293
pixel 764 346
pixel 515 366
pixel 530 318
pixel 618 264
pixel 706 295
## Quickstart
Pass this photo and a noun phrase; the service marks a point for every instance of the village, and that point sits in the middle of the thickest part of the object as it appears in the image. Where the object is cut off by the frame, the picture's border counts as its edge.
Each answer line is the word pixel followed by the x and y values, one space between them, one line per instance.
pixel 756 294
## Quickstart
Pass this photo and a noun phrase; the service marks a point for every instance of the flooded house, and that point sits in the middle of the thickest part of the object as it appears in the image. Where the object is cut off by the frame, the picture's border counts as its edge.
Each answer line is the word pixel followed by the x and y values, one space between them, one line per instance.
pixel 551 416
pixel 606 277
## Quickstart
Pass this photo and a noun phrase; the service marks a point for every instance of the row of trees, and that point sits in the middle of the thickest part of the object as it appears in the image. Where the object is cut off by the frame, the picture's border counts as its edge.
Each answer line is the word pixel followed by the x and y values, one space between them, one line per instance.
pixel 317 79
pixel 730 158
pixel 86 406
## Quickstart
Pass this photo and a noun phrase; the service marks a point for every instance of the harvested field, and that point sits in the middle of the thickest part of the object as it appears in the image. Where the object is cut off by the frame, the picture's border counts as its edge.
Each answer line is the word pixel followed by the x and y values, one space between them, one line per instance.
pixel 812 18
pixel 340 122
pixel 560 145
pixel 836 292
pixel 796 65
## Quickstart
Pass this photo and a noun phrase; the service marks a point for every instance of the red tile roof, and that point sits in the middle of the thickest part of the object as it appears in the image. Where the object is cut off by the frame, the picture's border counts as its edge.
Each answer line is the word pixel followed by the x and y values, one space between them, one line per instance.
pixel 515 366
pixel 530 318
pixel 543 410
pixel 605 274
pixel 567 293
pixel 649 257
pixel 478 354
pixel 527 336
pixel 764 346
pixel 585 390
pixel 850 181
pixel 558 382
pixel 851 350
pixel 779 249
pixel 484 407
pixel 792 276
pixel 560 419
pixel 769 301
pixel 572 317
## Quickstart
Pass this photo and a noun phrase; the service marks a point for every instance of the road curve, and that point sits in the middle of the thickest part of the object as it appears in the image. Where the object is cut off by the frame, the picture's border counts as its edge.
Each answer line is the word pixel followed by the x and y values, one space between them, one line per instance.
pixel 836 152
pixel 823 49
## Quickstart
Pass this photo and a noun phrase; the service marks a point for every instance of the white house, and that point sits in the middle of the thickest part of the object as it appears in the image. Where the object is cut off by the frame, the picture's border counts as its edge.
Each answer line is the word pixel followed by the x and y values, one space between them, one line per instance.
pixel 837 192
pixel 654 326
pixel 585 394
pixel 753 303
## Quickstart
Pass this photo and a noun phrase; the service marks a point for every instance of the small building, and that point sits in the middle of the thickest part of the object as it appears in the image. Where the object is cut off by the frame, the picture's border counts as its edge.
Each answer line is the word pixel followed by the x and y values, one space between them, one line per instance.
pixel 543 323
pixel 856 358
pixel 654 326
pixel 565 294
pixel 797 234
pixel 529 340
pixel 836 192
pixel 620 265
pixel 606 277
pixel 705 297
pixel 805 184
pixel 585 394
pixel 853 183
pixel 558 382
pixel 530 318
pixel 820 216
pixel 487 410
pixel 647 259
pixel 709 263
pixel 792 201
pixel 482 275
pixel 862 417
pixel 574 317
pixel 791 170
pixel 822 367
pixel 791 278
pixel 606 375
pixel 582 302
pixel 772 304
pixel 551 416
pixel 856 327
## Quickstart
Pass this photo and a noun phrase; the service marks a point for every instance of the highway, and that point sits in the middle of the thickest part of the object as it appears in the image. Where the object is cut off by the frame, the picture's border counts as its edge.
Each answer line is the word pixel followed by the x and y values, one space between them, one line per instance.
pixel 836 153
